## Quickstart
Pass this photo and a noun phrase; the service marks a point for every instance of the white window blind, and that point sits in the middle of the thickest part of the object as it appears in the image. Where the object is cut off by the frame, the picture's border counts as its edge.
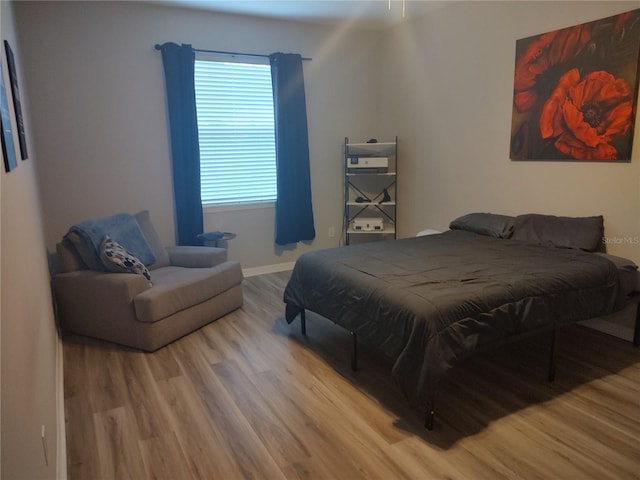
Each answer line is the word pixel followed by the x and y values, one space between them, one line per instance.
pixel 234 102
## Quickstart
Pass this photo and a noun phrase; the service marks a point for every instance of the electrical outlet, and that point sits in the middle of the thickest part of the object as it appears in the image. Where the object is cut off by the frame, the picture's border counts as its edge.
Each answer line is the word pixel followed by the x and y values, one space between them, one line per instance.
pixel 332 232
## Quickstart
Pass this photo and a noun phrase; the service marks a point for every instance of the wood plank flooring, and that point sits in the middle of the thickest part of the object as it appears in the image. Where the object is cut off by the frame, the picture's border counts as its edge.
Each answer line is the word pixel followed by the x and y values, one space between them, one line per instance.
pixel 248 397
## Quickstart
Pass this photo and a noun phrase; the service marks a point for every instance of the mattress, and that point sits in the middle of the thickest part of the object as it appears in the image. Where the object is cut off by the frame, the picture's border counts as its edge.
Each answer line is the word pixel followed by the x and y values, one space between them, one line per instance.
pixel 430 302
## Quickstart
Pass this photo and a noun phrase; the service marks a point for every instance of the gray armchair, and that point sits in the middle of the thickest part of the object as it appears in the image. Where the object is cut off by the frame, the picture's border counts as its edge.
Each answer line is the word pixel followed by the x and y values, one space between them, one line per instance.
pixel 191 287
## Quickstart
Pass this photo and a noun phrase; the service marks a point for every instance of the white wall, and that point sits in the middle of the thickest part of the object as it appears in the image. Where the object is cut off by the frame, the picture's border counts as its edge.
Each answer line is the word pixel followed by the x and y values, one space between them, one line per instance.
pixel 442 83
pixel 100 111
pixel 448 91
pixel 94 93
pixel 454 70
pixel 30 348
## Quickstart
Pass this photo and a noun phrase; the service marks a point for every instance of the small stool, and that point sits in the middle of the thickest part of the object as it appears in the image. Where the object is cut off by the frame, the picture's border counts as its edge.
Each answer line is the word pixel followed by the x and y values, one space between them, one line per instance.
pixel 216 236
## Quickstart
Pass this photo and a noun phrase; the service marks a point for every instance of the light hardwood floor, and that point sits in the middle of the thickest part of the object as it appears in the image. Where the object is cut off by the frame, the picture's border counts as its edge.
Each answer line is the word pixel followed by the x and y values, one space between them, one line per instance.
pixel 249 397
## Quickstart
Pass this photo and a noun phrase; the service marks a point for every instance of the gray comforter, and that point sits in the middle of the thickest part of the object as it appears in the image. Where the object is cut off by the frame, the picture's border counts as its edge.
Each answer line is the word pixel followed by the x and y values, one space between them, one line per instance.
pixel 429 302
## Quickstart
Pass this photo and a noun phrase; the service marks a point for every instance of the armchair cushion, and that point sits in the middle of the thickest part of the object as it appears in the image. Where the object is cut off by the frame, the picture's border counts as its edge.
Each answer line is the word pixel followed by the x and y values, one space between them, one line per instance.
pixel 177 288
pixel 181 256
pixel 153 239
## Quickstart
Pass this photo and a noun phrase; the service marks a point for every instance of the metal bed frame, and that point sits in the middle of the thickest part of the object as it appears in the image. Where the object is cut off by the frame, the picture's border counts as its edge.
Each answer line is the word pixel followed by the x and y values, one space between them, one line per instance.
pixel 551 371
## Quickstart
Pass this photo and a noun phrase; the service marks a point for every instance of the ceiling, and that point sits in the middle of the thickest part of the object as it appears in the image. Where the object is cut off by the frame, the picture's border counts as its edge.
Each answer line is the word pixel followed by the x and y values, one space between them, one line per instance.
pixel 367 13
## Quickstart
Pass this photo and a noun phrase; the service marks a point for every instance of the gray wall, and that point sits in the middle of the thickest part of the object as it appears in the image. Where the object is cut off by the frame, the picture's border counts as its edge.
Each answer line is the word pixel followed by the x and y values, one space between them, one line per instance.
pixel 31 381
pixel 100 112
pixel 441 82
pixel 93 94
pixel 452 76
pixel 448 91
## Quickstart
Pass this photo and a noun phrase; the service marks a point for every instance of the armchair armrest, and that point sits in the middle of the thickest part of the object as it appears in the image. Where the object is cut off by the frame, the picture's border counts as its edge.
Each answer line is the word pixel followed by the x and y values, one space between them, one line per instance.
pixel 99 304
pixel 89 286
pixel 196 257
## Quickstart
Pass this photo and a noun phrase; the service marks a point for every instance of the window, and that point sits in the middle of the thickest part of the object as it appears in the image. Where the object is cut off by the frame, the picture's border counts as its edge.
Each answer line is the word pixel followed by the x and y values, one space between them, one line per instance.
pixel 234 102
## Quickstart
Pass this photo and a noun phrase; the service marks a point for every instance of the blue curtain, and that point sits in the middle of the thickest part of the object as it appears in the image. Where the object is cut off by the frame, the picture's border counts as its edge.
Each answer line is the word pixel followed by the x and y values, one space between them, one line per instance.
pixel 294 211
pixel 179 62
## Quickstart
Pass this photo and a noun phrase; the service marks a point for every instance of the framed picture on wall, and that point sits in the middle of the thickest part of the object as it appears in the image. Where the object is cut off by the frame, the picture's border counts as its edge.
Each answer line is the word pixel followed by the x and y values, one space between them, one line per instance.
pixel 15 93
pixel 575 92
pixel 8 147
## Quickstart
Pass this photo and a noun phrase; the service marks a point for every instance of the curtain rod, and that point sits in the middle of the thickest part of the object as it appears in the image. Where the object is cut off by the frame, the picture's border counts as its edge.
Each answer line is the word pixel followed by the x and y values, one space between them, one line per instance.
pixel 232 54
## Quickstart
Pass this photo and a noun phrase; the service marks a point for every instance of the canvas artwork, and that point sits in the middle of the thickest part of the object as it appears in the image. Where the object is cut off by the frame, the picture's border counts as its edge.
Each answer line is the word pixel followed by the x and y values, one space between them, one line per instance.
pixel 575 92
pixel 15 93
pixel 8 147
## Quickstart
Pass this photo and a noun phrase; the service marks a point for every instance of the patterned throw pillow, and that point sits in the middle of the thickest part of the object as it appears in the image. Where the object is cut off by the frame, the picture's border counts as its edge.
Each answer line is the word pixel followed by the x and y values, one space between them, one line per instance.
pixel 117 259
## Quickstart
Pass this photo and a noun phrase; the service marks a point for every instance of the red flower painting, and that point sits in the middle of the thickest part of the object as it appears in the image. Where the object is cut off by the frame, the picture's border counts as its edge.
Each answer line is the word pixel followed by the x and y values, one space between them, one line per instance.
pixel 545 52
pixel 575 92
pixel 584 115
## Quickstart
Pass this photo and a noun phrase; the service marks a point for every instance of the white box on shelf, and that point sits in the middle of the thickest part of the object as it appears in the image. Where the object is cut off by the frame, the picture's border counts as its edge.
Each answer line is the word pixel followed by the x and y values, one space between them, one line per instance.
pixel 368 224
pixel 355 164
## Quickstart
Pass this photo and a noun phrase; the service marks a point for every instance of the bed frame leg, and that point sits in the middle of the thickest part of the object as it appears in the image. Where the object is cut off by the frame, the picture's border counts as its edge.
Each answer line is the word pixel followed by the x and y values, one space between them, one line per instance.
pixel 428 418
pixel 354 352
pixel 303 323
pixel 430 410
pixel 551 375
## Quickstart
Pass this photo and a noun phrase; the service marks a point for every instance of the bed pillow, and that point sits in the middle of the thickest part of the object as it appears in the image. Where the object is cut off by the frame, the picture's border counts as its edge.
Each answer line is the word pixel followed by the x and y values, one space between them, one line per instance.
pixel 584 233
pixel 489 224
pixel 117 259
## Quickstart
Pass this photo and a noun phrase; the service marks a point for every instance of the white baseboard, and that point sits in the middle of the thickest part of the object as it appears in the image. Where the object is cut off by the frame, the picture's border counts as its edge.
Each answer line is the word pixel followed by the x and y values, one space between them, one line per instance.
pixel 61 440
pixel 278 267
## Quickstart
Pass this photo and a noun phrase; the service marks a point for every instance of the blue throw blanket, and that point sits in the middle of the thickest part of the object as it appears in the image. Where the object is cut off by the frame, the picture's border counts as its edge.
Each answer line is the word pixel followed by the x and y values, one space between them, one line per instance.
pixel 122 227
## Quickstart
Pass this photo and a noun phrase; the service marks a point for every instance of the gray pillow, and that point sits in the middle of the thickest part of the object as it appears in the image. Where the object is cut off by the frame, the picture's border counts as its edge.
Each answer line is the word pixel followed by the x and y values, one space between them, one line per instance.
pixel 584 233
pixel 153 239
pixel 489 224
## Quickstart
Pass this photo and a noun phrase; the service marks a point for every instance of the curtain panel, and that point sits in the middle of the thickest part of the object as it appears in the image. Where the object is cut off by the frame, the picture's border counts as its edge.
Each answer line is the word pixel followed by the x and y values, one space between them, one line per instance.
pixel 294 210
pixel 179 61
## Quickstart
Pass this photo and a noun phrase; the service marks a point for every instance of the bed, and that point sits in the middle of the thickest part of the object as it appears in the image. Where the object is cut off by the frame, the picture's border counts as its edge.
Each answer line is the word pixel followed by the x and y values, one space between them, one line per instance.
pixel 430 302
